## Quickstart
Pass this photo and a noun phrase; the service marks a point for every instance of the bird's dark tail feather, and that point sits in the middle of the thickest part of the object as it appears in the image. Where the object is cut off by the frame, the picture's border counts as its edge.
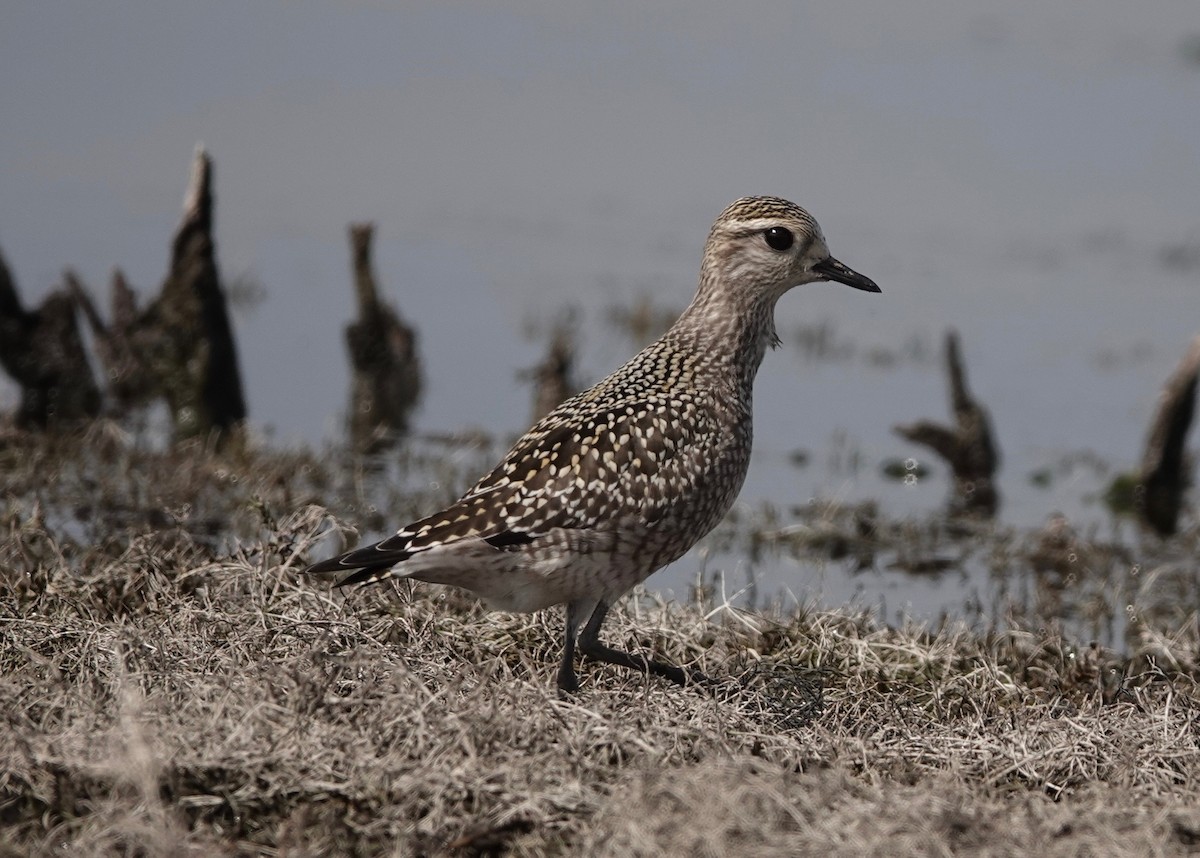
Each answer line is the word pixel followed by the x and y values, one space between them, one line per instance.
pixel 366 563
pixel 366 575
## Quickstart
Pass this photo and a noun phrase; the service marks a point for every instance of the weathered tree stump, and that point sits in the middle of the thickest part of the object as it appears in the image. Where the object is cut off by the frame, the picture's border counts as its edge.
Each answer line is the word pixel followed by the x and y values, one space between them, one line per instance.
pixel 43 352
pixel 121 345
pixel 968 446
pixel 383 357
pixel 1164 474
pixel 181 346
pixel 553 379
pixel 195 360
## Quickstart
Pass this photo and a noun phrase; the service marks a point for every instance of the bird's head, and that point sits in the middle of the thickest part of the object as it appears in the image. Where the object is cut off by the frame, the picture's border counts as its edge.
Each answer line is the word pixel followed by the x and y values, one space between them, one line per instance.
pixel 760 247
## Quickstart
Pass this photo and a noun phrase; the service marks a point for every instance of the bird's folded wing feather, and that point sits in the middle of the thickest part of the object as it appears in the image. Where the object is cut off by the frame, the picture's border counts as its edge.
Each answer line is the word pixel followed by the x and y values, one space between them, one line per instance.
pixel 558 475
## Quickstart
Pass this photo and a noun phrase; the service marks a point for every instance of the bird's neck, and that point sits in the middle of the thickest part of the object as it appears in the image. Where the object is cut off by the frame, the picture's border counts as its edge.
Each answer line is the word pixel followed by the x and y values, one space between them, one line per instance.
pixel 731 330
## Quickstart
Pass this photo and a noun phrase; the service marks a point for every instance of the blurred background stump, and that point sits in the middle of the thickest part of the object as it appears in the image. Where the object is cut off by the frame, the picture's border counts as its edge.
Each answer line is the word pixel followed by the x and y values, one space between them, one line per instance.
pixel 386 370
pixel 43 352
pixel 120 345
pixel 181 346
pixel 195 360
pixel 968 446
pixel 553 379
pixel 1164 474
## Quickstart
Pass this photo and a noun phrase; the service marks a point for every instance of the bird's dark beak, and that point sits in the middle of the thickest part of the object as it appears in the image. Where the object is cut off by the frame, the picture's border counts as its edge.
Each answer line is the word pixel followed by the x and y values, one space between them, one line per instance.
pixel 831 269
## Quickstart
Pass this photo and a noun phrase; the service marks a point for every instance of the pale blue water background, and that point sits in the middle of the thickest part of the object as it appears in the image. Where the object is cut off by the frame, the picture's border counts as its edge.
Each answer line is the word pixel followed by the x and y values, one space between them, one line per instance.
pixel 1018 171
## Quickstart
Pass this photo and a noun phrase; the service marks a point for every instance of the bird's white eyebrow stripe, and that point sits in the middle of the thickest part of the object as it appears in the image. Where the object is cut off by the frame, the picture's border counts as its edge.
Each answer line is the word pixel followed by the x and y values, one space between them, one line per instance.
pixel 759 224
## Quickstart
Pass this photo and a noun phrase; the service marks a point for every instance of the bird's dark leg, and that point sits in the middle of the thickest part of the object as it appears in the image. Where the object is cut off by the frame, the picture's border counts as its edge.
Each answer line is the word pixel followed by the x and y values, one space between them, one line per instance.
pixel 589 643
pixel 566 671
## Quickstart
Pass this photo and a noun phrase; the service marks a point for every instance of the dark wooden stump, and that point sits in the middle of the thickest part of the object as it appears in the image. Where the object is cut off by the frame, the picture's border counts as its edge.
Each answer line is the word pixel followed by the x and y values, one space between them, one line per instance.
pixel 553 378
pixel 968 446
pixel 383 358
pixel 1164 475
pixel 43 352
pixel 195 359
pixel 121 345
pixel 181 347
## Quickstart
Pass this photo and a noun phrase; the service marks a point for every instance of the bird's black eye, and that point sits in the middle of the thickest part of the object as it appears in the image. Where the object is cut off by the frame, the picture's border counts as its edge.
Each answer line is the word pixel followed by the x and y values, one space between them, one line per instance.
pixel 779 238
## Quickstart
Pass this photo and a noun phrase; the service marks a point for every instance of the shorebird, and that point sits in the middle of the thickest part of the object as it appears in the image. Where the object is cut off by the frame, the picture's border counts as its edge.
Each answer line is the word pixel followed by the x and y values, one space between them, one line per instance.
pixel 622 479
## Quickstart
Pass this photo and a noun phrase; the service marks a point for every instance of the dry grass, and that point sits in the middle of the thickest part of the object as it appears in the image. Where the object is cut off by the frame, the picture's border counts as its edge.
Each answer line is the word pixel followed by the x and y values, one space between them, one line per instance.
pixel 172 685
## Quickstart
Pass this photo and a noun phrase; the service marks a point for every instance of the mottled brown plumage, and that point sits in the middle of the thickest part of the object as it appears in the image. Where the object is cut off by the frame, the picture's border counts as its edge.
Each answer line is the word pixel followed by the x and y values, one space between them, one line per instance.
pixel 625 477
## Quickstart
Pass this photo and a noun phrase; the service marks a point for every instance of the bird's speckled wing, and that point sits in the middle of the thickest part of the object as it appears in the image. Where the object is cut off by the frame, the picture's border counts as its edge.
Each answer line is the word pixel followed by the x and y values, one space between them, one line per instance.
pixel 619 460
pixel 596 460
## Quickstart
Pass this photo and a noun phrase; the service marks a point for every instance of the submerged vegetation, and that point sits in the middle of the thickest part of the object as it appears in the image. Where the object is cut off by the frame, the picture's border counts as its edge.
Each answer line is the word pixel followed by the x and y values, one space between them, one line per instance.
pixel 173 685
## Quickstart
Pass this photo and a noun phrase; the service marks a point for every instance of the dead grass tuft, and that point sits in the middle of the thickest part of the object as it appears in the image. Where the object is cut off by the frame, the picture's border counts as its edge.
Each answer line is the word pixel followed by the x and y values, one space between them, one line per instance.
pixel 171 685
